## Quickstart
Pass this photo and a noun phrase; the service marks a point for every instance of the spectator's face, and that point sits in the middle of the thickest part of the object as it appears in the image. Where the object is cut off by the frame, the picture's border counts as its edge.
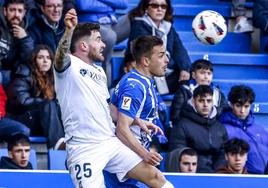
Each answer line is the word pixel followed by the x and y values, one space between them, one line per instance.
pixel 236 161
pixel 203 105
pixel 241 111
pixel 158 61
pixel 95 47
pixel 43 61
pixel 14 13
pixel 202 76
pixel 20 155
pixel 53 10
pixel 188 164
pixel 157 10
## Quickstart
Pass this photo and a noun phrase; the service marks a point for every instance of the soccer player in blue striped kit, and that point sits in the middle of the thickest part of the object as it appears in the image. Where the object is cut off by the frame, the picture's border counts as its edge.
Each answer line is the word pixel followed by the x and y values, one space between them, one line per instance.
pixel 135 96
pixel 81 88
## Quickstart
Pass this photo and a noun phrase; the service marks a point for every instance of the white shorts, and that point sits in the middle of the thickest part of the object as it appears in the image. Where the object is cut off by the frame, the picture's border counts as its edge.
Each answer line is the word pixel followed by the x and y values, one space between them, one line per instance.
pixel 86 162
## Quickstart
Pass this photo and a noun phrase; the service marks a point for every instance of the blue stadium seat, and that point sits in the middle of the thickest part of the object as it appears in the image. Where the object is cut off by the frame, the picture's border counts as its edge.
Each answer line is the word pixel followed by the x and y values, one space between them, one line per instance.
pixel 192 44
pixel 38 139
pixel 56 159
pixel 232 43
pixel 4 152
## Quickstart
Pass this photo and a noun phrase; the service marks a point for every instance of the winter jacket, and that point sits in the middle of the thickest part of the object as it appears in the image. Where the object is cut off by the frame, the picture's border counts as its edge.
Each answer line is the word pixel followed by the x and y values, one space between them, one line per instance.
pixel 185 92
pixel 7 163
pixel 178 56
pixel 42 33
pixel 260 15
pixel 255 135
pixel 21 91
pixel 227 170
pixel 205 135
pixel 13 50
pixel 100 11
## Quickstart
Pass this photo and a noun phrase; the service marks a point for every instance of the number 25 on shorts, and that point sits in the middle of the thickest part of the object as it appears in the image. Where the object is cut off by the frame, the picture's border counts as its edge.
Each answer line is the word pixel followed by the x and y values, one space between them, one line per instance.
pixel 80 171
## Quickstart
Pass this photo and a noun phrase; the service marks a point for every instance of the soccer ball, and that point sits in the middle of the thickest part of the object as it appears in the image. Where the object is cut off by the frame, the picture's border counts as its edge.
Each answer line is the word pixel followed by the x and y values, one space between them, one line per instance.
pixel 209 27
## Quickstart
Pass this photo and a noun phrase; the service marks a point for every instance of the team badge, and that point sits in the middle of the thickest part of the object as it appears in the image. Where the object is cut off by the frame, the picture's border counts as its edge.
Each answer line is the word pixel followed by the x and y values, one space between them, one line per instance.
pixel 83 72
pixel 126 103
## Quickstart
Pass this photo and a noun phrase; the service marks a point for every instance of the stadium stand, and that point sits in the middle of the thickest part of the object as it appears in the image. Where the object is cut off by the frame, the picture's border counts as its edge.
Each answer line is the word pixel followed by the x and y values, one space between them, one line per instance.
pixel 4 152
pixel 56 159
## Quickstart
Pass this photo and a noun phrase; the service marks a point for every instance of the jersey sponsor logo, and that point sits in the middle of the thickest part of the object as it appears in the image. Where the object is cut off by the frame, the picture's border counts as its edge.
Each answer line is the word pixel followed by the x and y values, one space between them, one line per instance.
pixel 83 72
pixel 126 103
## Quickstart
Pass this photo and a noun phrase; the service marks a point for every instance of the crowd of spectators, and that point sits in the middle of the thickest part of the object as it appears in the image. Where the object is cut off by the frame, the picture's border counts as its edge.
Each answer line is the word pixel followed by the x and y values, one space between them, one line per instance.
pixel 208 134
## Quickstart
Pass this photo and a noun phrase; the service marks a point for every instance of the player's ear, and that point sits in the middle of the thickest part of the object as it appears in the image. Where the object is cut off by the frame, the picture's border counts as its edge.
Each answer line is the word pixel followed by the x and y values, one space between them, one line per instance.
pixel 145 61
pixel 83 45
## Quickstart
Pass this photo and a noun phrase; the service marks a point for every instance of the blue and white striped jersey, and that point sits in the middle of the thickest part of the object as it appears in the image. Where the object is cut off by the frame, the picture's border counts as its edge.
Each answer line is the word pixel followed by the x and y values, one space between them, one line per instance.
pixel 135 96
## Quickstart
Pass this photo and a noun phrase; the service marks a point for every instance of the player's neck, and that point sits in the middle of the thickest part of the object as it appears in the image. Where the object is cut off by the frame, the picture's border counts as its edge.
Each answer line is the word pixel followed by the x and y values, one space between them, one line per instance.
pixel 84 58
pixel 144 72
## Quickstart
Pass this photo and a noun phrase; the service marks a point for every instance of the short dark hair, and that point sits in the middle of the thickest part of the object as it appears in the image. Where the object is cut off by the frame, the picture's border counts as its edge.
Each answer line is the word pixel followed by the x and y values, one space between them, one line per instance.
pixel 202 91
pixel 82 30
pixel 201 64
pixel 241 94
pixel 188 151
pixel 43 2
pixel 236 145
pixel 17 139
pixel 143 46
pixel 140 10
pixel 8 2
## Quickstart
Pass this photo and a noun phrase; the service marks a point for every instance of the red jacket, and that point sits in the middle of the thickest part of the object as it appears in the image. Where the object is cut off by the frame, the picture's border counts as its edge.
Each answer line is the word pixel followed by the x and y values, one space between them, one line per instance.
pixel 3 100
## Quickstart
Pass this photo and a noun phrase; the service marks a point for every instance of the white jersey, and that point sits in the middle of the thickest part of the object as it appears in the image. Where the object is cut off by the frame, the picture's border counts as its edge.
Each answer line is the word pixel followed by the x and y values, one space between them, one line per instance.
pixel 82 93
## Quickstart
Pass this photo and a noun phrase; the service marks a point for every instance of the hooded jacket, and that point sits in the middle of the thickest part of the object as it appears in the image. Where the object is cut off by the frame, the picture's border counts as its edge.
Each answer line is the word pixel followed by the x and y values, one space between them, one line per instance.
pixel 178 56
pixel 173 160
pixel 7 163
pixel 205 135
pixel 13 50
pixel 185 92
pixel 255 135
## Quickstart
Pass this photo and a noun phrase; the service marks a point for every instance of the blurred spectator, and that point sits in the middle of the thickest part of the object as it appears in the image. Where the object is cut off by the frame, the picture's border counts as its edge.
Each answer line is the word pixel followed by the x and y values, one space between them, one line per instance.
pixel 182 160
pixel 199 129
pixel 202 74
pixel 15 44
pixel 260 20
pixel 236 152
pixel 8 127
pixel 18 152
pixel 155 17
pixel 31 98
pixel 113 30
pixel 242 24
pixel 240 123
pixel 48 27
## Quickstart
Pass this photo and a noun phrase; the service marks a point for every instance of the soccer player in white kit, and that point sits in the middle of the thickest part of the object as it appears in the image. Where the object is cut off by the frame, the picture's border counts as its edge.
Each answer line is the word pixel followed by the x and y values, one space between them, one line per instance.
pixel 81 89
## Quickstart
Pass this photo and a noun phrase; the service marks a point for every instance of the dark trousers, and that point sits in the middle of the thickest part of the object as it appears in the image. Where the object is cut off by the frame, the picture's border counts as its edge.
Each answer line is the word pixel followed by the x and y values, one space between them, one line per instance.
pixel 9 127
pixel 44 119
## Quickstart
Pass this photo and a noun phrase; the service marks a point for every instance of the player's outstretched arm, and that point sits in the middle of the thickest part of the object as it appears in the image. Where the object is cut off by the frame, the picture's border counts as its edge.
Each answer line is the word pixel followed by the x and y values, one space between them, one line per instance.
pixel 124 133
pixel 70 22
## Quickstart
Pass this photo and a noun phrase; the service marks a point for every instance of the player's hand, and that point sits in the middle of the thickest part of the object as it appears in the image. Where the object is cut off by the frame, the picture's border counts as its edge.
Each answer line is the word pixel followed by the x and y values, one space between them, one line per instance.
pixel 18 32
pixel 70 19
pixel 184 75
pixel 153 158
pixel 148 126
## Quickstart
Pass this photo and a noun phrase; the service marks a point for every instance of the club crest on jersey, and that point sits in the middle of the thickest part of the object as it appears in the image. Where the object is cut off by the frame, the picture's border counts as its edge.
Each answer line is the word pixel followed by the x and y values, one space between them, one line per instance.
pixel 126 103
pixel 83 72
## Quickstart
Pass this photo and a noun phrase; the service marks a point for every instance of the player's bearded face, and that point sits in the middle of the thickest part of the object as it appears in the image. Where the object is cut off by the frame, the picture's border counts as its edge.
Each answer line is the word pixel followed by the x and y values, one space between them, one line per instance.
pixel 96 47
